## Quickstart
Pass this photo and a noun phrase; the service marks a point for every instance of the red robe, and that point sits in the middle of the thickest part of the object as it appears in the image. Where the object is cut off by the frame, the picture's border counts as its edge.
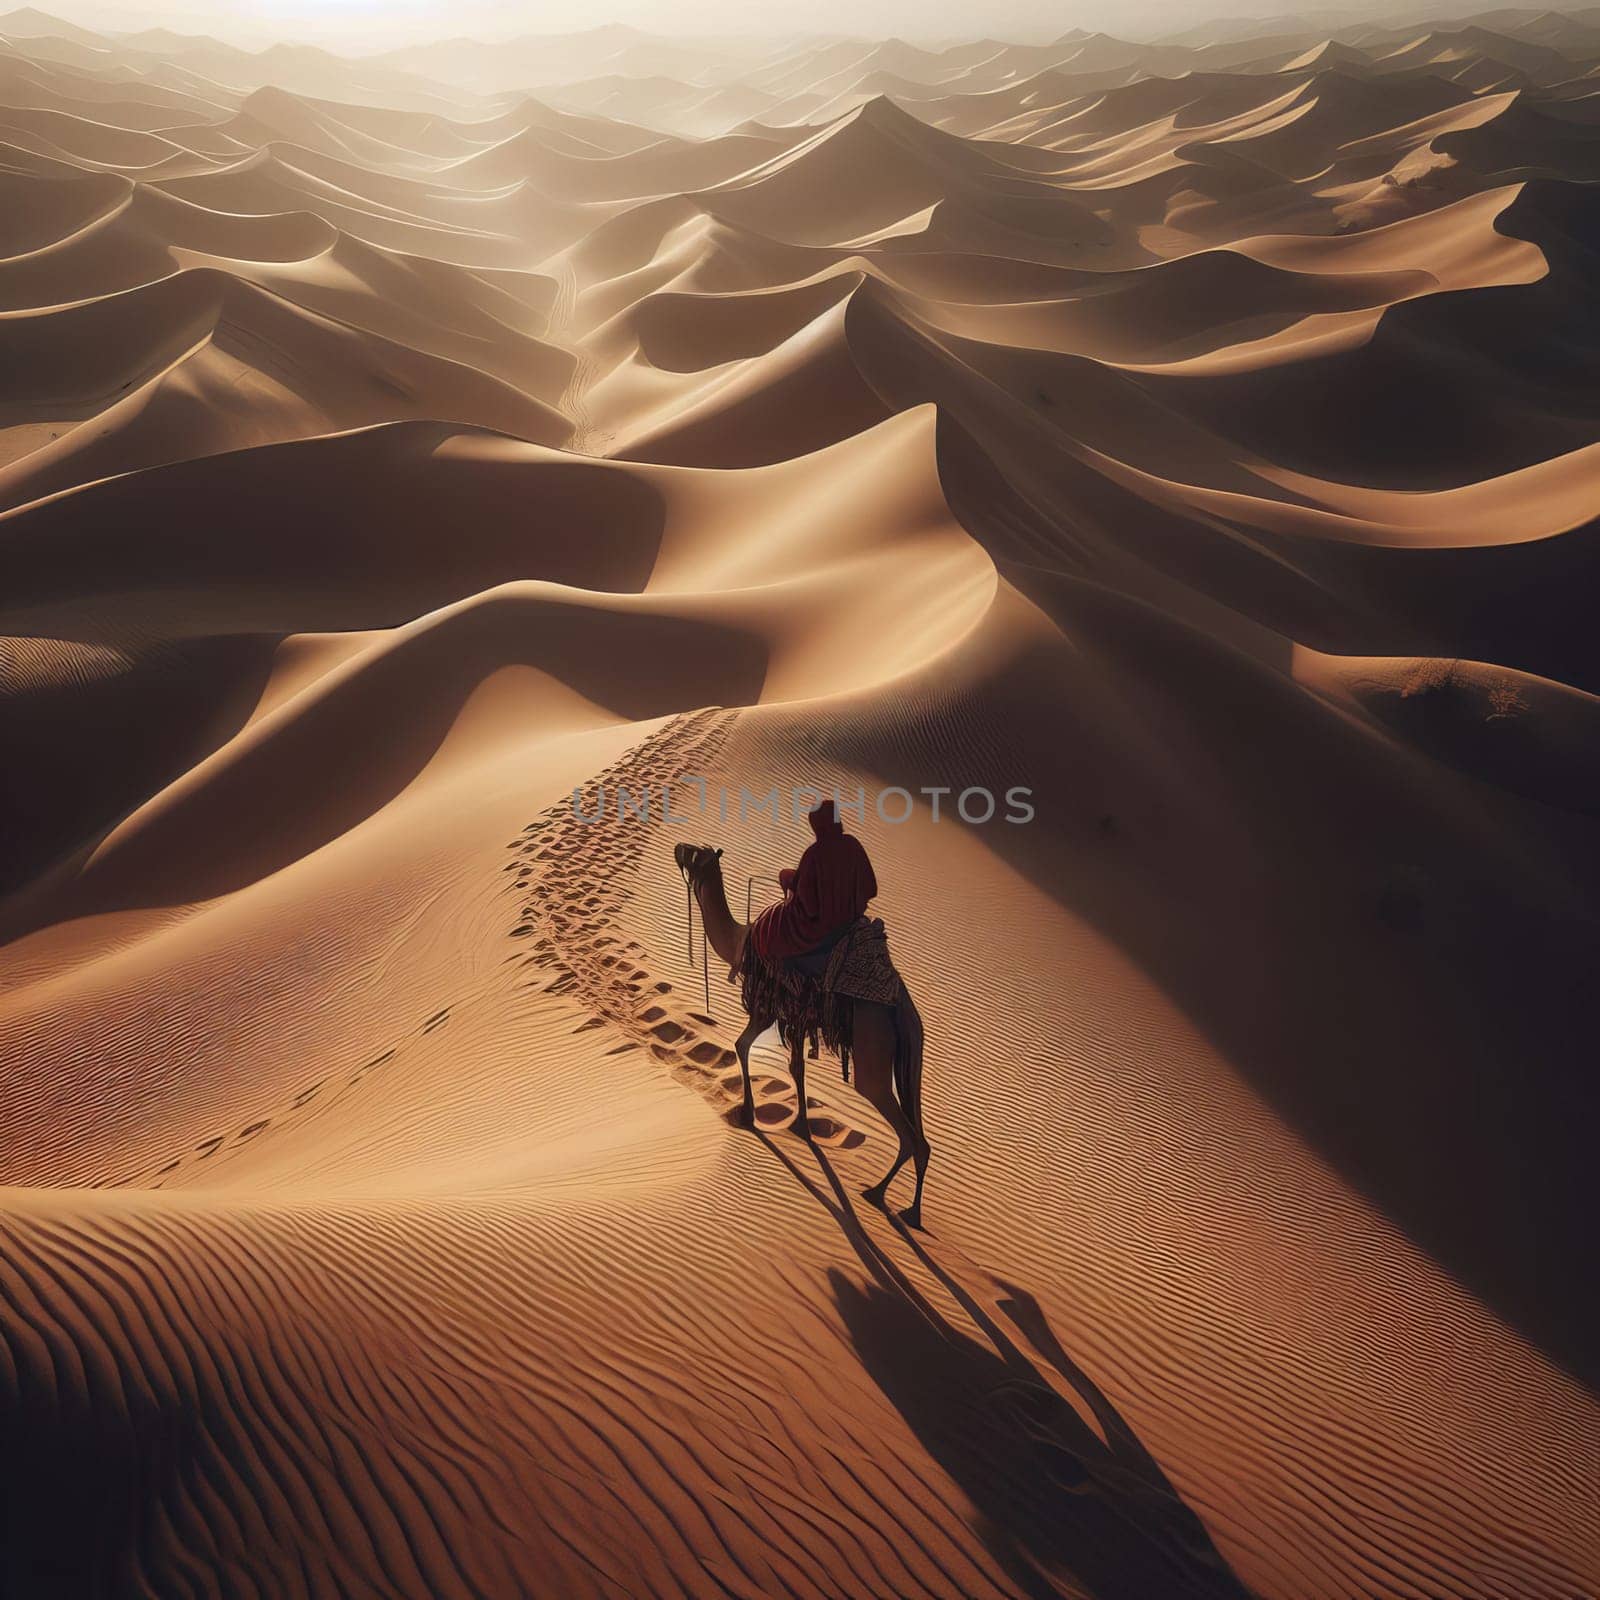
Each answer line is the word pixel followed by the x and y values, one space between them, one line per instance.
pixel 830 887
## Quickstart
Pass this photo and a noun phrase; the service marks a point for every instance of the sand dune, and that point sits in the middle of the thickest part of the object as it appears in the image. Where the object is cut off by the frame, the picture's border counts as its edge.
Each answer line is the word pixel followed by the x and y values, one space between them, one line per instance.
pixel 1202 434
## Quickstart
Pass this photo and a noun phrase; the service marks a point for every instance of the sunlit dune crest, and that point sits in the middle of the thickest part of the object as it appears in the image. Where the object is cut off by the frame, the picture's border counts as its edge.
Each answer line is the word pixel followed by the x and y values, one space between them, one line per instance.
pixel 1202 435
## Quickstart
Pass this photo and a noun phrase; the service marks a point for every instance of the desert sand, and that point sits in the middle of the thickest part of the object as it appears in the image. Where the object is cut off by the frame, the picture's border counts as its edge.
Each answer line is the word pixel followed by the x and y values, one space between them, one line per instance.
pixel 1203 434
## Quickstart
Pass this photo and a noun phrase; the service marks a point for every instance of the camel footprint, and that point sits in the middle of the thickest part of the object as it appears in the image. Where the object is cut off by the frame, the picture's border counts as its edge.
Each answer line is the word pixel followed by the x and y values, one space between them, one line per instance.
pixel 209 1146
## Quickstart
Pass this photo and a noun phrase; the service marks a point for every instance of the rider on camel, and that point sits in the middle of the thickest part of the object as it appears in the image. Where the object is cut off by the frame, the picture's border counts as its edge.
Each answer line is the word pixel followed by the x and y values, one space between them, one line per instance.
pixel 822 897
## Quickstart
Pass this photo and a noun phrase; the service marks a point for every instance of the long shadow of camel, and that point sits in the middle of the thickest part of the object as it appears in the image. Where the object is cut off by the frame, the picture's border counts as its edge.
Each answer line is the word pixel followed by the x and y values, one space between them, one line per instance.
pixel 1061 1508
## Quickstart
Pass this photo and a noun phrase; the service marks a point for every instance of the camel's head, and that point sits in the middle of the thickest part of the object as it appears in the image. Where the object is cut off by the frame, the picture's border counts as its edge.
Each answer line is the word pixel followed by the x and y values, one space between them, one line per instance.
pixel 698 862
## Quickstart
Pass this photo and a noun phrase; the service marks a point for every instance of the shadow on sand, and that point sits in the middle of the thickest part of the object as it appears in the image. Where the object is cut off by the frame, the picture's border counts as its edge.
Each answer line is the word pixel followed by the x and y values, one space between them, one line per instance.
pixel 1064 1506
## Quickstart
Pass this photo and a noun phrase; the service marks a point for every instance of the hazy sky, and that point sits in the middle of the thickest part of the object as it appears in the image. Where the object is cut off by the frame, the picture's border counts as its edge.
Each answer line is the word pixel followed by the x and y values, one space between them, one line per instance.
pixel 380 22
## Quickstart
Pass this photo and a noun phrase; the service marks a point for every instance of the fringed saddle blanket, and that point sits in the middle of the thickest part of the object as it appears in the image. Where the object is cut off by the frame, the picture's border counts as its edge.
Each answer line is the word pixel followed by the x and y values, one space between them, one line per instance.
pixel 812 1009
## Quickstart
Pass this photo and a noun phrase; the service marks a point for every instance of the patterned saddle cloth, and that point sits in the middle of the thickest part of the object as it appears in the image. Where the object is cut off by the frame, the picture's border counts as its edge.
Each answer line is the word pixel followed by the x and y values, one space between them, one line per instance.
pixel 820 1007
pixel 859 964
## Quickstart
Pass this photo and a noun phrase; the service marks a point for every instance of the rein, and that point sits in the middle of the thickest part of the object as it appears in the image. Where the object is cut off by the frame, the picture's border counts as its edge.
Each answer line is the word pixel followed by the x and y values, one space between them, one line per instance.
pixel 749 889
pixel 705 942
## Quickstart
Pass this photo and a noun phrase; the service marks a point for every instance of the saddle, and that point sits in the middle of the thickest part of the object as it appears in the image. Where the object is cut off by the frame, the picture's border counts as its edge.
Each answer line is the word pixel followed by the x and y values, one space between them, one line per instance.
pixel 818 1008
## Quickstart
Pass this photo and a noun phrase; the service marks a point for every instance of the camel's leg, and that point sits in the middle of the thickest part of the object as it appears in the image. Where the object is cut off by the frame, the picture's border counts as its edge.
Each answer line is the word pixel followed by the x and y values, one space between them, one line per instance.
pixel 921 1152
pixel 872 1051
pixel 797 1071
pixel 753 1030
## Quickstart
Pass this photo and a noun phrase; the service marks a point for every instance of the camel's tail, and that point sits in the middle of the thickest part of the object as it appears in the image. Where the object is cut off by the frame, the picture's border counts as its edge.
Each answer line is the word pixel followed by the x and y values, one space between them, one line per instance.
pixel 908 1040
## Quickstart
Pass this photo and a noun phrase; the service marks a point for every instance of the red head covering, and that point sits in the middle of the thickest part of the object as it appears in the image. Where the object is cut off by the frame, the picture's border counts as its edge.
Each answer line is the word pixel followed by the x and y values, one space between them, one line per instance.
pixel 830 887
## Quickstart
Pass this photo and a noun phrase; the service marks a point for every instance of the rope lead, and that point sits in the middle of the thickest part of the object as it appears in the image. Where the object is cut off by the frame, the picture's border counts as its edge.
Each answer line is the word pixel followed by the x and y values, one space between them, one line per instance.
pixel 705 943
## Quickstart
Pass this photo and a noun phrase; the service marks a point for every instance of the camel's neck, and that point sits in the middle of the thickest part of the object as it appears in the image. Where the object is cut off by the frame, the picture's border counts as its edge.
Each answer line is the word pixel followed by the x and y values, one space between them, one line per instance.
pixel 722 927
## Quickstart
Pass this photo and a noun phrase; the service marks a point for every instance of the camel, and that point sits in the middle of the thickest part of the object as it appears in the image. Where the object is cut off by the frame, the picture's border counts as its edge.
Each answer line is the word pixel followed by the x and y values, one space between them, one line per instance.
pixel 885 1042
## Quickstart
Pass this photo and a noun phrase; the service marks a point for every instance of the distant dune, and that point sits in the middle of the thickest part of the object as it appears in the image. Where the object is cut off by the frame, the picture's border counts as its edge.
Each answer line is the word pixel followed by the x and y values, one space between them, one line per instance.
pixel 1203 435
